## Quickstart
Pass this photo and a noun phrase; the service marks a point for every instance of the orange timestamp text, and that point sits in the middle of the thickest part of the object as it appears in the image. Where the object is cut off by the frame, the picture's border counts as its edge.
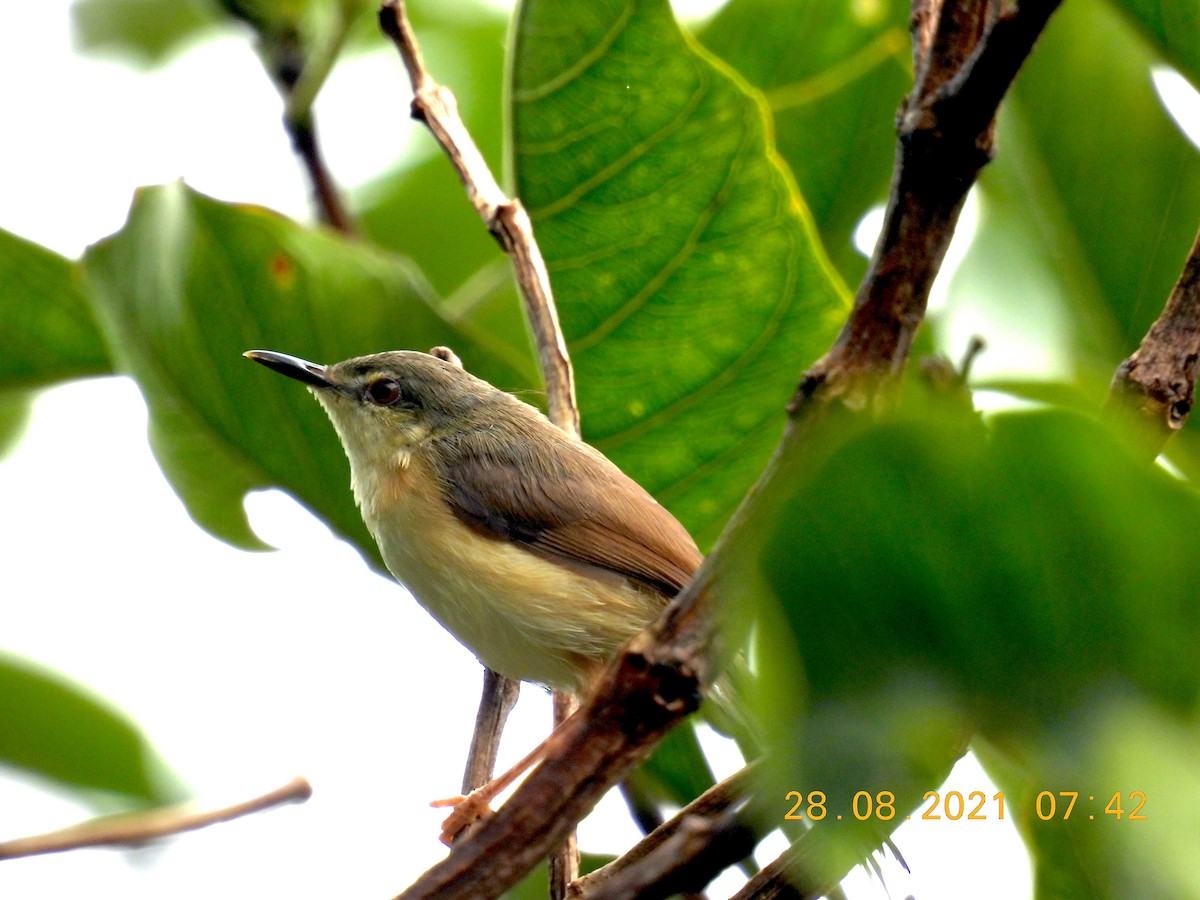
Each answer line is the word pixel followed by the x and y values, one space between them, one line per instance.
pixel 974 807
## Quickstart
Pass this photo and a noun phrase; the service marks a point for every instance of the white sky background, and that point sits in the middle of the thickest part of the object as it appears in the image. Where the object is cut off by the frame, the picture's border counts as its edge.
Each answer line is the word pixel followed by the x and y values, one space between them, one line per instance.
pixel 246 669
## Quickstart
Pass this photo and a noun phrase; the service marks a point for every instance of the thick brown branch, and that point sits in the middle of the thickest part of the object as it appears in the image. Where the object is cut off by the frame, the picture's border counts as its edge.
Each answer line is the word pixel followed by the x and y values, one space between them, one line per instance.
pixel 970 56
pixel 132 829
pixel 1159 380
pixel 506 218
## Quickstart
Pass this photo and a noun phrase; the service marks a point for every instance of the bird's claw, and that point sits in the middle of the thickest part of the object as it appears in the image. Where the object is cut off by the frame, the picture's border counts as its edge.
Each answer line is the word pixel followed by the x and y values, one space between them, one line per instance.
pixel 467 810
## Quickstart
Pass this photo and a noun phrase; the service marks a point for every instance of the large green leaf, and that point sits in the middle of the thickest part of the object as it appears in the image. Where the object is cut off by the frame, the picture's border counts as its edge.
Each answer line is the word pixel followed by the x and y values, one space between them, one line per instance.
pixel 56 730
pixel 923 576
pixel 47 333
pixel 1099 217
pixel 190 283
pixel 833 74
pixel 691 285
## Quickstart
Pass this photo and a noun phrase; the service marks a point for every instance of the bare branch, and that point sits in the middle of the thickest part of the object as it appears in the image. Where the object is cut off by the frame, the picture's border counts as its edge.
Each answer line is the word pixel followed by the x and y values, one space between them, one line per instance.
pixel 696 852
pixel 132 829
pixel 1159 380
pixel 508 222
pixel 505 218
pixel 968 54
pixel 564 862
pixel 298 72
pixel 709 806
pixel 303 134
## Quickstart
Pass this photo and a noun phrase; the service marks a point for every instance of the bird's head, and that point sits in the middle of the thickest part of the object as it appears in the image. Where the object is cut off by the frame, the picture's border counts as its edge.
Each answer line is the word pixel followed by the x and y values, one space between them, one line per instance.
pixel 386 404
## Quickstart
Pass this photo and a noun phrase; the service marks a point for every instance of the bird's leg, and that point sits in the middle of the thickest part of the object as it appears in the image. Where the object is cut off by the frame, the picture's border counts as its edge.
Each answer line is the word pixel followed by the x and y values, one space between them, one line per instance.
pixel 475 805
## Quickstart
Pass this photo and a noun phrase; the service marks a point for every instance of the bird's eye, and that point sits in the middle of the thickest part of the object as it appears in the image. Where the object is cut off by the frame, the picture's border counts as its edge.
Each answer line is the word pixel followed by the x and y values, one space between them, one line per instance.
pixel 383 392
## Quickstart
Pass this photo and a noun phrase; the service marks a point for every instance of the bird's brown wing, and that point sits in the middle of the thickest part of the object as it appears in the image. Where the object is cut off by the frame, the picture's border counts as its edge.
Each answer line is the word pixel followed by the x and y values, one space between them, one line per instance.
pixel 596 515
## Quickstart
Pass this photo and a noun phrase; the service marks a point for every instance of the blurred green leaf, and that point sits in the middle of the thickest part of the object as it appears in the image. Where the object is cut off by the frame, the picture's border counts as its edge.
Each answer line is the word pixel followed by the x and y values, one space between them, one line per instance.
pixel 47 333
pixel 57 730
pixel 691 286
pixel 833 74
pixel 1172 27
pixel 190 283
pixel 144 31
pixel 925 575
pixel 1100 218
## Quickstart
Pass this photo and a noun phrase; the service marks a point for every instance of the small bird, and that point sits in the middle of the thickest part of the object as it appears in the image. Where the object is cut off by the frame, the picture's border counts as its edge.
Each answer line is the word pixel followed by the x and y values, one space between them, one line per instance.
pixel 528 545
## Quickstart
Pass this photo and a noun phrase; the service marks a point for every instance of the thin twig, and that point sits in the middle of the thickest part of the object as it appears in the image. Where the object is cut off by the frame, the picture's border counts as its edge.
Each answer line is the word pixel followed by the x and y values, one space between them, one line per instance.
pixel 697 851
pixel 303 135
pixel 132 829
pixel 505 217
pixel 564 861
pixel 967 54
pixel 508 222
pixel 1159 380
pixel 298 75
pixel 708 806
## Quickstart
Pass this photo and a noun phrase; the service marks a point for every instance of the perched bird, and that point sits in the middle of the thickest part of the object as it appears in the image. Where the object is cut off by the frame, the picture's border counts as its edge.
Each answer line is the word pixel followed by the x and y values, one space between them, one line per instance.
pixel 533 549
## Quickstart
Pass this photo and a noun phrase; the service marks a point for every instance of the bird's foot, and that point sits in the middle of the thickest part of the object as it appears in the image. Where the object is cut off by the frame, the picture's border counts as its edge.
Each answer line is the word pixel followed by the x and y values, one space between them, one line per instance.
pixel 467 810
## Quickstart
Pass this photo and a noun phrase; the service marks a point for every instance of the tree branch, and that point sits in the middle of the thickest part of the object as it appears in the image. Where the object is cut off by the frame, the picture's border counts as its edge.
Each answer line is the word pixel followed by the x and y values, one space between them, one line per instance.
pixel 966 56
pixel 508 222
pixel 505 217
pixel 1158 381
pixel 298 76
pixel 132 829
pixel 708 807
pixel 697 851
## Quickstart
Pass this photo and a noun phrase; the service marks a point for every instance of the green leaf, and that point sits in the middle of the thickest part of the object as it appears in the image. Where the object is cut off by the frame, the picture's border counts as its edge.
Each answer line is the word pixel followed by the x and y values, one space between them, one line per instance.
pixel 190 283
pixel 833 74
pixel 925 575
pixel 1101 217
pixel 691 286
pixel 1172 27
pixel 144 31
pixel 47 333
pixel 59 731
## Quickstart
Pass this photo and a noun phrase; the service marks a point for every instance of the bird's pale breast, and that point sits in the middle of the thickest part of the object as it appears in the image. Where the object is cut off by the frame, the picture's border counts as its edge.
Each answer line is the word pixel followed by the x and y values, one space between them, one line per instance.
pixel 522 615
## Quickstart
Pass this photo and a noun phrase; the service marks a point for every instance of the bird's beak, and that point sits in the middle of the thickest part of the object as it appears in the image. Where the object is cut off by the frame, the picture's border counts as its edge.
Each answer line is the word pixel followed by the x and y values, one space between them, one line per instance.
pixel 292 367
